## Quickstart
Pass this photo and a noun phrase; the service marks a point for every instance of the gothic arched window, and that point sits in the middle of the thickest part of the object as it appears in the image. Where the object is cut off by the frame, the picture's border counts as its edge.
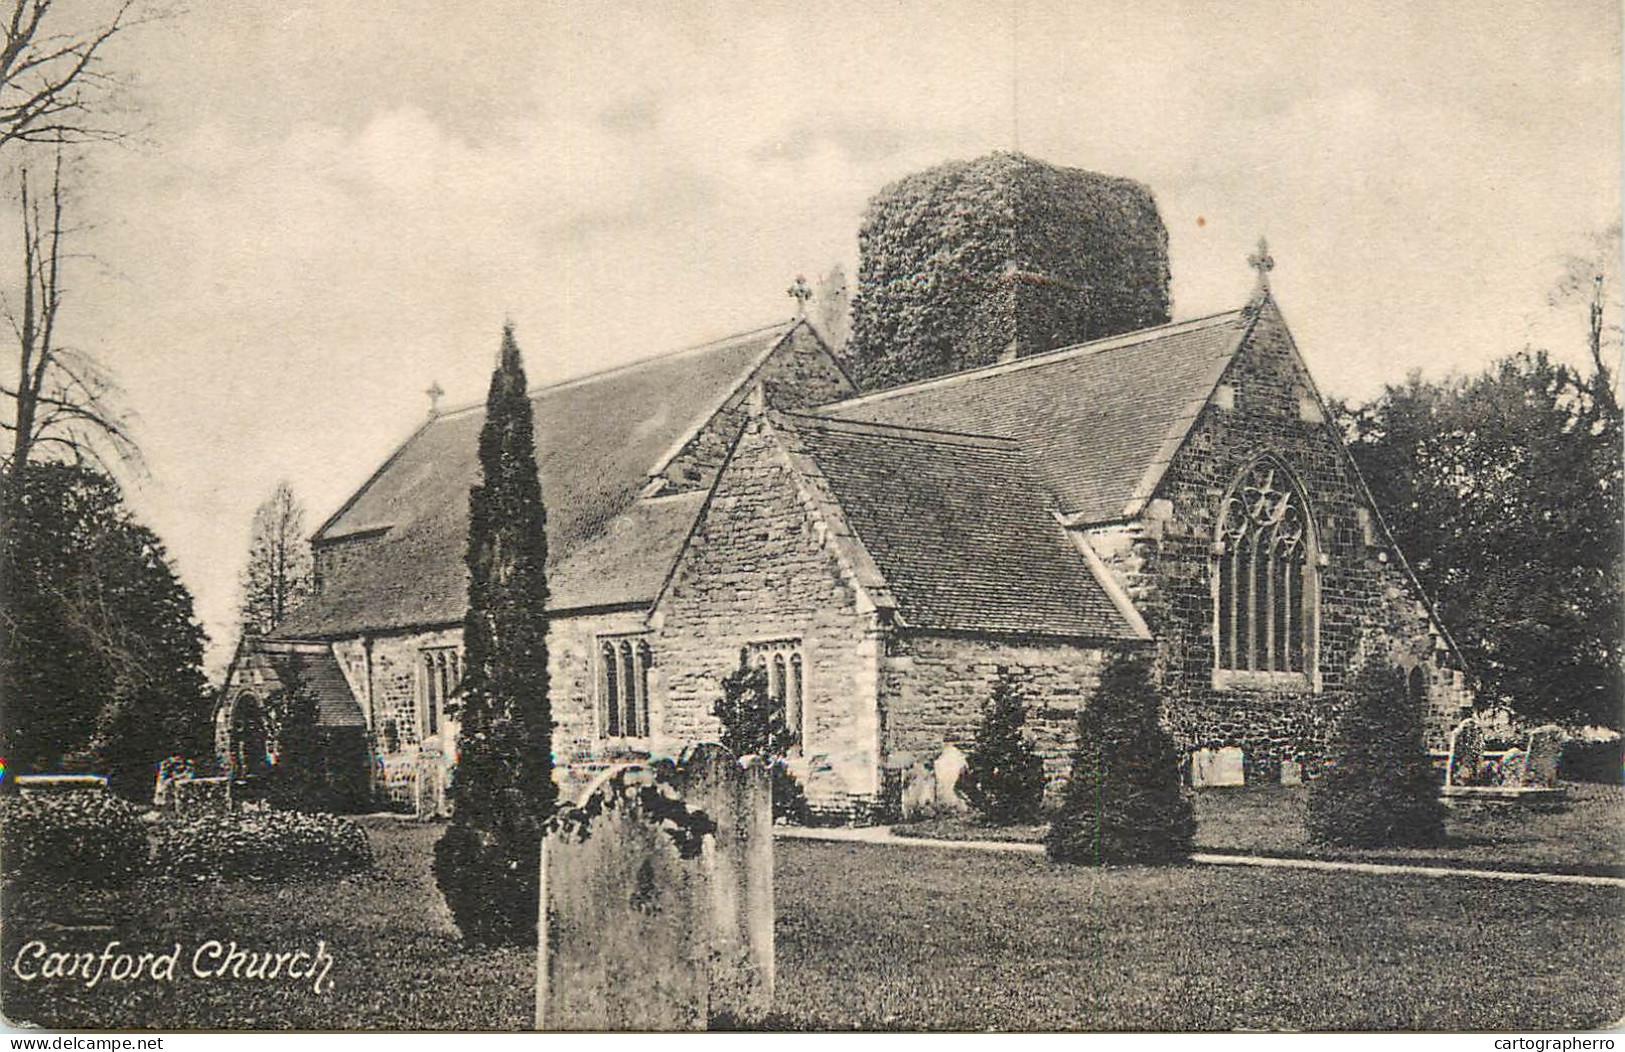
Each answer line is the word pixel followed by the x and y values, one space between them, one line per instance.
pixel 1264 591
pixel 786 689
pixel 623 687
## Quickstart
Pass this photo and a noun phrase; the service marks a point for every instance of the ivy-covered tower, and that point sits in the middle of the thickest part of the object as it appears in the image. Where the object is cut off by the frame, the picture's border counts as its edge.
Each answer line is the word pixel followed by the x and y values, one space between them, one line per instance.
pixel 974 262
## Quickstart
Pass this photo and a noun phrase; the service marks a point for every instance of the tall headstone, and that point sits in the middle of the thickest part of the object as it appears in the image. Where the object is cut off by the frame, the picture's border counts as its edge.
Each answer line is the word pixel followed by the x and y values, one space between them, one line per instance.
pixel 1466 753
pixel 657 899
pixel 949 765
pixel 1540 766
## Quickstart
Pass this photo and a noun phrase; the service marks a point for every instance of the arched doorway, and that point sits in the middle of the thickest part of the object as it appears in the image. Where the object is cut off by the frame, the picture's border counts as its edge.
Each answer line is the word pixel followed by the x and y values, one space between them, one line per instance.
pixel 249 739
pixel 1416 690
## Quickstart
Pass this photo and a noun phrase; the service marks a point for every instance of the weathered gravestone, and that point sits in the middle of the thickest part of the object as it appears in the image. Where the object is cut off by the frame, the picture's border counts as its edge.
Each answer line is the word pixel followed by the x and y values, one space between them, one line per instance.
pixel 1512 768
pixel 1218 767
pixel 919 790
pixel 1466 754
pixel 949 765
pixel 1291 772
pixel 1540 764
pixel 657 899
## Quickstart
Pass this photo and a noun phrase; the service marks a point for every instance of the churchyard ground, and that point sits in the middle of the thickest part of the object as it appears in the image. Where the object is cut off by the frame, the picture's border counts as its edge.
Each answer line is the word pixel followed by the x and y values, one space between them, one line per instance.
pixel 909 938
pixel 1584 835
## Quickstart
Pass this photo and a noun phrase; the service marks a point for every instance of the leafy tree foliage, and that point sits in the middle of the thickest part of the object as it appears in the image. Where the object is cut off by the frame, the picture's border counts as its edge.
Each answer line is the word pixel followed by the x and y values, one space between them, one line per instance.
pixel 1505 492
pixel 1004 776
pixel 1378 788
pixel 280 567
pixel 486 862
pixel 1126 800
pixel 960 261
pixel 752 725
pixel 99 651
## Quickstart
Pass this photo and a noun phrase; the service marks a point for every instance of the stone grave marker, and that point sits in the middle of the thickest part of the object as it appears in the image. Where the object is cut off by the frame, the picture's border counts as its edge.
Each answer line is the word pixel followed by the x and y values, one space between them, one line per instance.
pixel 1218 767
pixel 1540 765
pixel 919 790
pixel 657 899
pixel 1512 768
pixel 1466 753
pixel 1291 772
pixel 949 765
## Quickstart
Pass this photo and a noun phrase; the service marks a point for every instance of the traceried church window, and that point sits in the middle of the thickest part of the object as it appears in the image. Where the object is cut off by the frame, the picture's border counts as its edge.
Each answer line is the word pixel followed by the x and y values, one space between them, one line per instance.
pixel 1264 594
pixel 623 686
pixel 439 672
pixel 782 660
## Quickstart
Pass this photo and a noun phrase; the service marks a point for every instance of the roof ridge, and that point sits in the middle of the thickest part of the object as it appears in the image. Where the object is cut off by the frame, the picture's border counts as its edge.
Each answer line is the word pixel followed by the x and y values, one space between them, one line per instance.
pixel 1067 353
pixel 907 431
pixel 598 374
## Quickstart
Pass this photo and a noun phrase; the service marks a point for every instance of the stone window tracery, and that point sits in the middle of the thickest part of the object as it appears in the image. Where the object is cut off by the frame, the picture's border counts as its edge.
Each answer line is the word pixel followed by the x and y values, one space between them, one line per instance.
pixel 439 672
pixel 782 660
pixel 1264 591
pixel 623 686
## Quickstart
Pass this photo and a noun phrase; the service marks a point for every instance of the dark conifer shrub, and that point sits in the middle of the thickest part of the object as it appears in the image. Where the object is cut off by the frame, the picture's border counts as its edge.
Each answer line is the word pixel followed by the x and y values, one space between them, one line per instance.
pixel 1377 788
pixel 1004 777
pixel 752 725
pixel 298 782
pixel 1126 801
pixel 487 861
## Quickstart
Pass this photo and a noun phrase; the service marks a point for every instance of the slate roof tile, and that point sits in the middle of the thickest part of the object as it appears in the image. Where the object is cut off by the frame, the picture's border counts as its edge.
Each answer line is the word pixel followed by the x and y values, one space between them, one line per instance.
pixel 1094 419
pixel 596 439
pixel 960 529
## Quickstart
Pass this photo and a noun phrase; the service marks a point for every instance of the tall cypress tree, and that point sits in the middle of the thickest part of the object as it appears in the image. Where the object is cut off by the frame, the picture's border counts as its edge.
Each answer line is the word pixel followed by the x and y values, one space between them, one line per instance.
pixel 486 863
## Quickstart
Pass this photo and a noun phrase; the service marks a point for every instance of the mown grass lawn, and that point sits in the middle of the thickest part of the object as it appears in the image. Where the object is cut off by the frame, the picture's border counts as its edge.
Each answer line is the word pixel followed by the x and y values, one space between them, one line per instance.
pixel 910 938
pixel 1586 834
pixel 974 940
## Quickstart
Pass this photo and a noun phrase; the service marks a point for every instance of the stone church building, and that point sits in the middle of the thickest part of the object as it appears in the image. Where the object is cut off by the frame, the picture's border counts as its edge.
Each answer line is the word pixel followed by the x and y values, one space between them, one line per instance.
pixel 886 555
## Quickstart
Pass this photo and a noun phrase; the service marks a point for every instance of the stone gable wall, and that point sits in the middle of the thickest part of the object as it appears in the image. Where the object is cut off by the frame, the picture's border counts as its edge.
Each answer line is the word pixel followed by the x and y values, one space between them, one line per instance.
pixel 413 774
pixel 580 754
pixel 934 687
pixel 1368 604
pixel 759 569
pixel 799 373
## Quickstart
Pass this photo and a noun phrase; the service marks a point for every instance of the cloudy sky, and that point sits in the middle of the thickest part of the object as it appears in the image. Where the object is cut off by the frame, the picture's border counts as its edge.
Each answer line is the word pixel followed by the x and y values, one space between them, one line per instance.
pixel 340 203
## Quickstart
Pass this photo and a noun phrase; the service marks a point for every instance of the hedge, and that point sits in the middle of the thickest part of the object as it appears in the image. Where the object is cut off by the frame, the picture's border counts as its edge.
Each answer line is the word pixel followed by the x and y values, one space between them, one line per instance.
pixel 88 837
pixel 261 844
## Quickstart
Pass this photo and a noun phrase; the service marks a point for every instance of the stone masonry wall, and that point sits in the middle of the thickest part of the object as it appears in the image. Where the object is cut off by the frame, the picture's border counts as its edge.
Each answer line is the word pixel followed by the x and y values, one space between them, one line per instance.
pixel 579 752
pixel 1368 604
pixel 934 687
pixel 409 768
pixel 759 569
pixel 799 373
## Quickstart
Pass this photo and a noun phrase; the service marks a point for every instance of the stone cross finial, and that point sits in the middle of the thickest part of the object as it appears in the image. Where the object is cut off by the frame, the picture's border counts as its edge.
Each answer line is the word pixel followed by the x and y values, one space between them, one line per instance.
pixel 801 292
pixel 1262 262
pixel 435 393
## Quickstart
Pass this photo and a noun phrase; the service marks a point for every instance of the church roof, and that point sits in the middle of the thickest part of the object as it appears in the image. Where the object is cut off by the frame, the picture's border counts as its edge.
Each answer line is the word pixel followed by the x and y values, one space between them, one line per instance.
pixel 959 529
pixel 1099 420
pixel 597 439
pixel 316 666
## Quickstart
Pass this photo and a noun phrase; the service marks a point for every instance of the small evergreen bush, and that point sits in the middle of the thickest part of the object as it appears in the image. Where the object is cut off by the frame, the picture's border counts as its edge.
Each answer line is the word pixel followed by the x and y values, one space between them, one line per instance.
pixel 1004 776
pixel 88 837
pixel 752 725
pixel 1378 787
pixel 1125 801
pixel 298 780
pixel 261 844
